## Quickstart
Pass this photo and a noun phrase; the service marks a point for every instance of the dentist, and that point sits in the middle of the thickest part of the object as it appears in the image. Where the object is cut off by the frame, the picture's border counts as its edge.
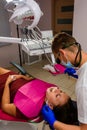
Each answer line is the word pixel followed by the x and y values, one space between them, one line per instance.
pixel 68 51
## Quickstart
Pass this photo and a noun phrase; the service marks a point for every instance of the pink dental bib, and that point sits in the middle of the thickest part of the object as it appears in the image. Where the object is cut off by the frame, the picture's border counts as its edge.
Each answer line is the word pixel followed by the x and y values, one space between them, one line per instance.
pixel 30 97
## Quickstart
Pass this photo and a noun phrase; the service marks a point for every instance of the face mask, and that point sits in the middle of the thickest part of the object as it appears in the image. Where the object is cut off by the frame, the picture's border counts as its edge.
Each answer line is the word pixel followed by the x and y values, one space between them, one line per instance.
pixel 68 64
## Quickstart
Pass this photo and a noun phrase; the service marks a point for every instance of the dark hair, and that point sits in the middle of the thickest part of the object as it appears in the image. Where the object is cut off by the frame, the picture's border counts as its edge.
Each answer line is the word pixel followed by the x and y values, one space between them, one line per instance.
pixel 67 113
pixel 62 40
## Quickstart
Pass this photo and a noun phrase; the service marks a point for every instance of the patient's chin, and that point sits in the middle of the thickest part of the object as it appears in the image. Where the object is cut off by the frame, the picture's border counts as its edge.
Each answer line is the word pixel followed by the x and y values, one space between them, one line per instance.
pixel 49 104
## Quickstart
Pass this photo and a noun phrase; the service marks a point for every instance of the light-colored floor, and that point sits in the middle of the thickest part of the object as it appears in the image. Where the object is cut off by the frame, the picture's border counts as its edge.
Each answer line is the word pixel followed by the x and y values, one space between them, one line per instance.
pixel 65 82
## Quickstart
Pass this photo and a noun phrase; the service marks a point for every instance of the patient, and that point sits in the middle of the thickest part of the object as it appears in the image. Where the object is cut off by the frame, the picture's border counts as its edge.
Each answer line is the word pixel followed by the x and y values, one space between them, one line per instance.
pixel 64 108
pixel 60 102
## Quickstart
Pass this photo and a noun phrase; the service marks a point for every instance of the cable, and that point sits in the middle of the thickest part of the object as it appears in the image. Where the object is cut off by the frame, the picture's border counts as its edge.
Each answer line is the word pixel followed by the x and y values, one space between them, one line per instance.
pixel 36 35
pixel 78 54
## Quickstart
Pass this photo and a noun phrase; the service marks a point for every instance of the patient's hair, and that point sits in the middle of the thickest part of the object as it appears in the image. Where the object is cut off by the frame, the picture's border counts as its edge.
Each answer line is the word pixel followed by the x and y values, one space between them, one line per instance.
pixel 67 113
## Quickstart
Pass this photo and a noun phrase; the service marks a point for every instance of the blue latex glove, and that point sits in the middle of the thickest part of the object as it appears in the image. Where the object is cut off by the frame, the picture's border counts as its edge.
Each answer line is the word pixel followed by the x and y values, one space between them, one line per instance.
pixel 48 115
pixel 71 72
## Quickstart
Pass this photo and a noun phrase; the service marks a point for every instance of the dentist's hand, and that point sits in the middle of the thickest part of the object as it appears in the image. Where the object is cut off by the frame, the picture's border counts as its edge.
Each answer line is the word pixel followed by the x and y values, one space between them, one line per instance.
pixel 48 115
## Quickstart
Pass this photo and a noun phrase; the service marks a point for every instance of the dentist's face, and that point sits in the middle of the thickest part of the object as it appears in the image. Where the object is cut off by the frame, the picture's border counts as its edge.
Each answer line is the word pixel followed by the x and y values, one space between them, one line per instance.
pixel 56 97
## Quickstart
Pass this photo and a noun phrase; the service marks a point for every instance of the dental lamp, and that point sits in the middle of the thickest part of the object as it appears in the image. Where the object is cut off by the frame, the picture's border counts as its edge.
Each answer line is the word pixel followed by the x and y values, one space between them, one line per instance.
pixel 23 10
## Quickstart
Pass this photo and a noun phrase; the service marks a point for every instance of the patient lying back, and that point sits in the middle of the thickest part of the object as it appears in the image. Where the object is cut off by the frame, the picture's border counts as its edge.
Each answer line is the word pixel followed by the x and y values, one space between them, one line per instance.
pixel 21 96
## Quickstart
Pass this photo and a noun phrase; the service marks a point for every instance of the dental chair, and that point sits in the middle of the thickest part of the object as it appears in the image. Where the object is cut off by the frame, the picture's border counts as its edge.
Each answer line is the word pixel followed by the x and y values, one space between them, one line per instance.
pixel 8 122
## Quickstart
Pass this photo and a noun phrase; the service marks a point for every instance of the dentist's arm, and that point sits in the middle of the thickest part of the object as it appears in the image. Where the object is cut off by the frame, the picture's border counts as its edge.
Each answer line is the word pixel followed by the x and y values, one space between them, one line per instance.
pixel 49 116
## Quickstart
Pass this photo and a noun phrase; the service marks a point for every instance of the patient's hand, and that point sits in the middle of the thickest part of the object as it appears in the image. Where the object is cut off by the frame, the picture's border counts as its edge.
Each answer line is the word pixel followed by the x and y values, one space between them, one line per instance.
pixel 12 78
pixel 24 77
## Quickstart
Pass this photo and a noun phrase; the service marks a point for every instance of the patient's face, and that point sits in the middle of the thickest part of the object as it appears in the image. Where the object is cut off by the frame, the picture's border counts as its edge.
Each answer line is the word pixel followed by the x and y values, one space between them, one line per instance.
pixel 56 97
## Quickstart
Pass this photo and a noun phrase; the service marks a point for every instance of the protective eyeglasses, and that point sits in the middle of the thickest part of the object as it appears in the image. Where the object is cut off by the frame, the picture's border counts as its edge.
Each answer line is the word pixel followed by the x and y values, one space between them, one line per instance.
pixel 65 45
pixel 58 61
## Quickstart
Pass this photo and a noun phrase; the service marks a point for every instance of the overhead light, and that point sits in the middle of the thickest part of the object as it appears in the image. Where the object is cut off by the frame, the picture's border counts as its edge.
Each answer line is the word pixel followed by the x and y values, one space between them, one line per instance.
pixel 24 10
pixel 8 1
pixel 15 1
pixel 12 3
